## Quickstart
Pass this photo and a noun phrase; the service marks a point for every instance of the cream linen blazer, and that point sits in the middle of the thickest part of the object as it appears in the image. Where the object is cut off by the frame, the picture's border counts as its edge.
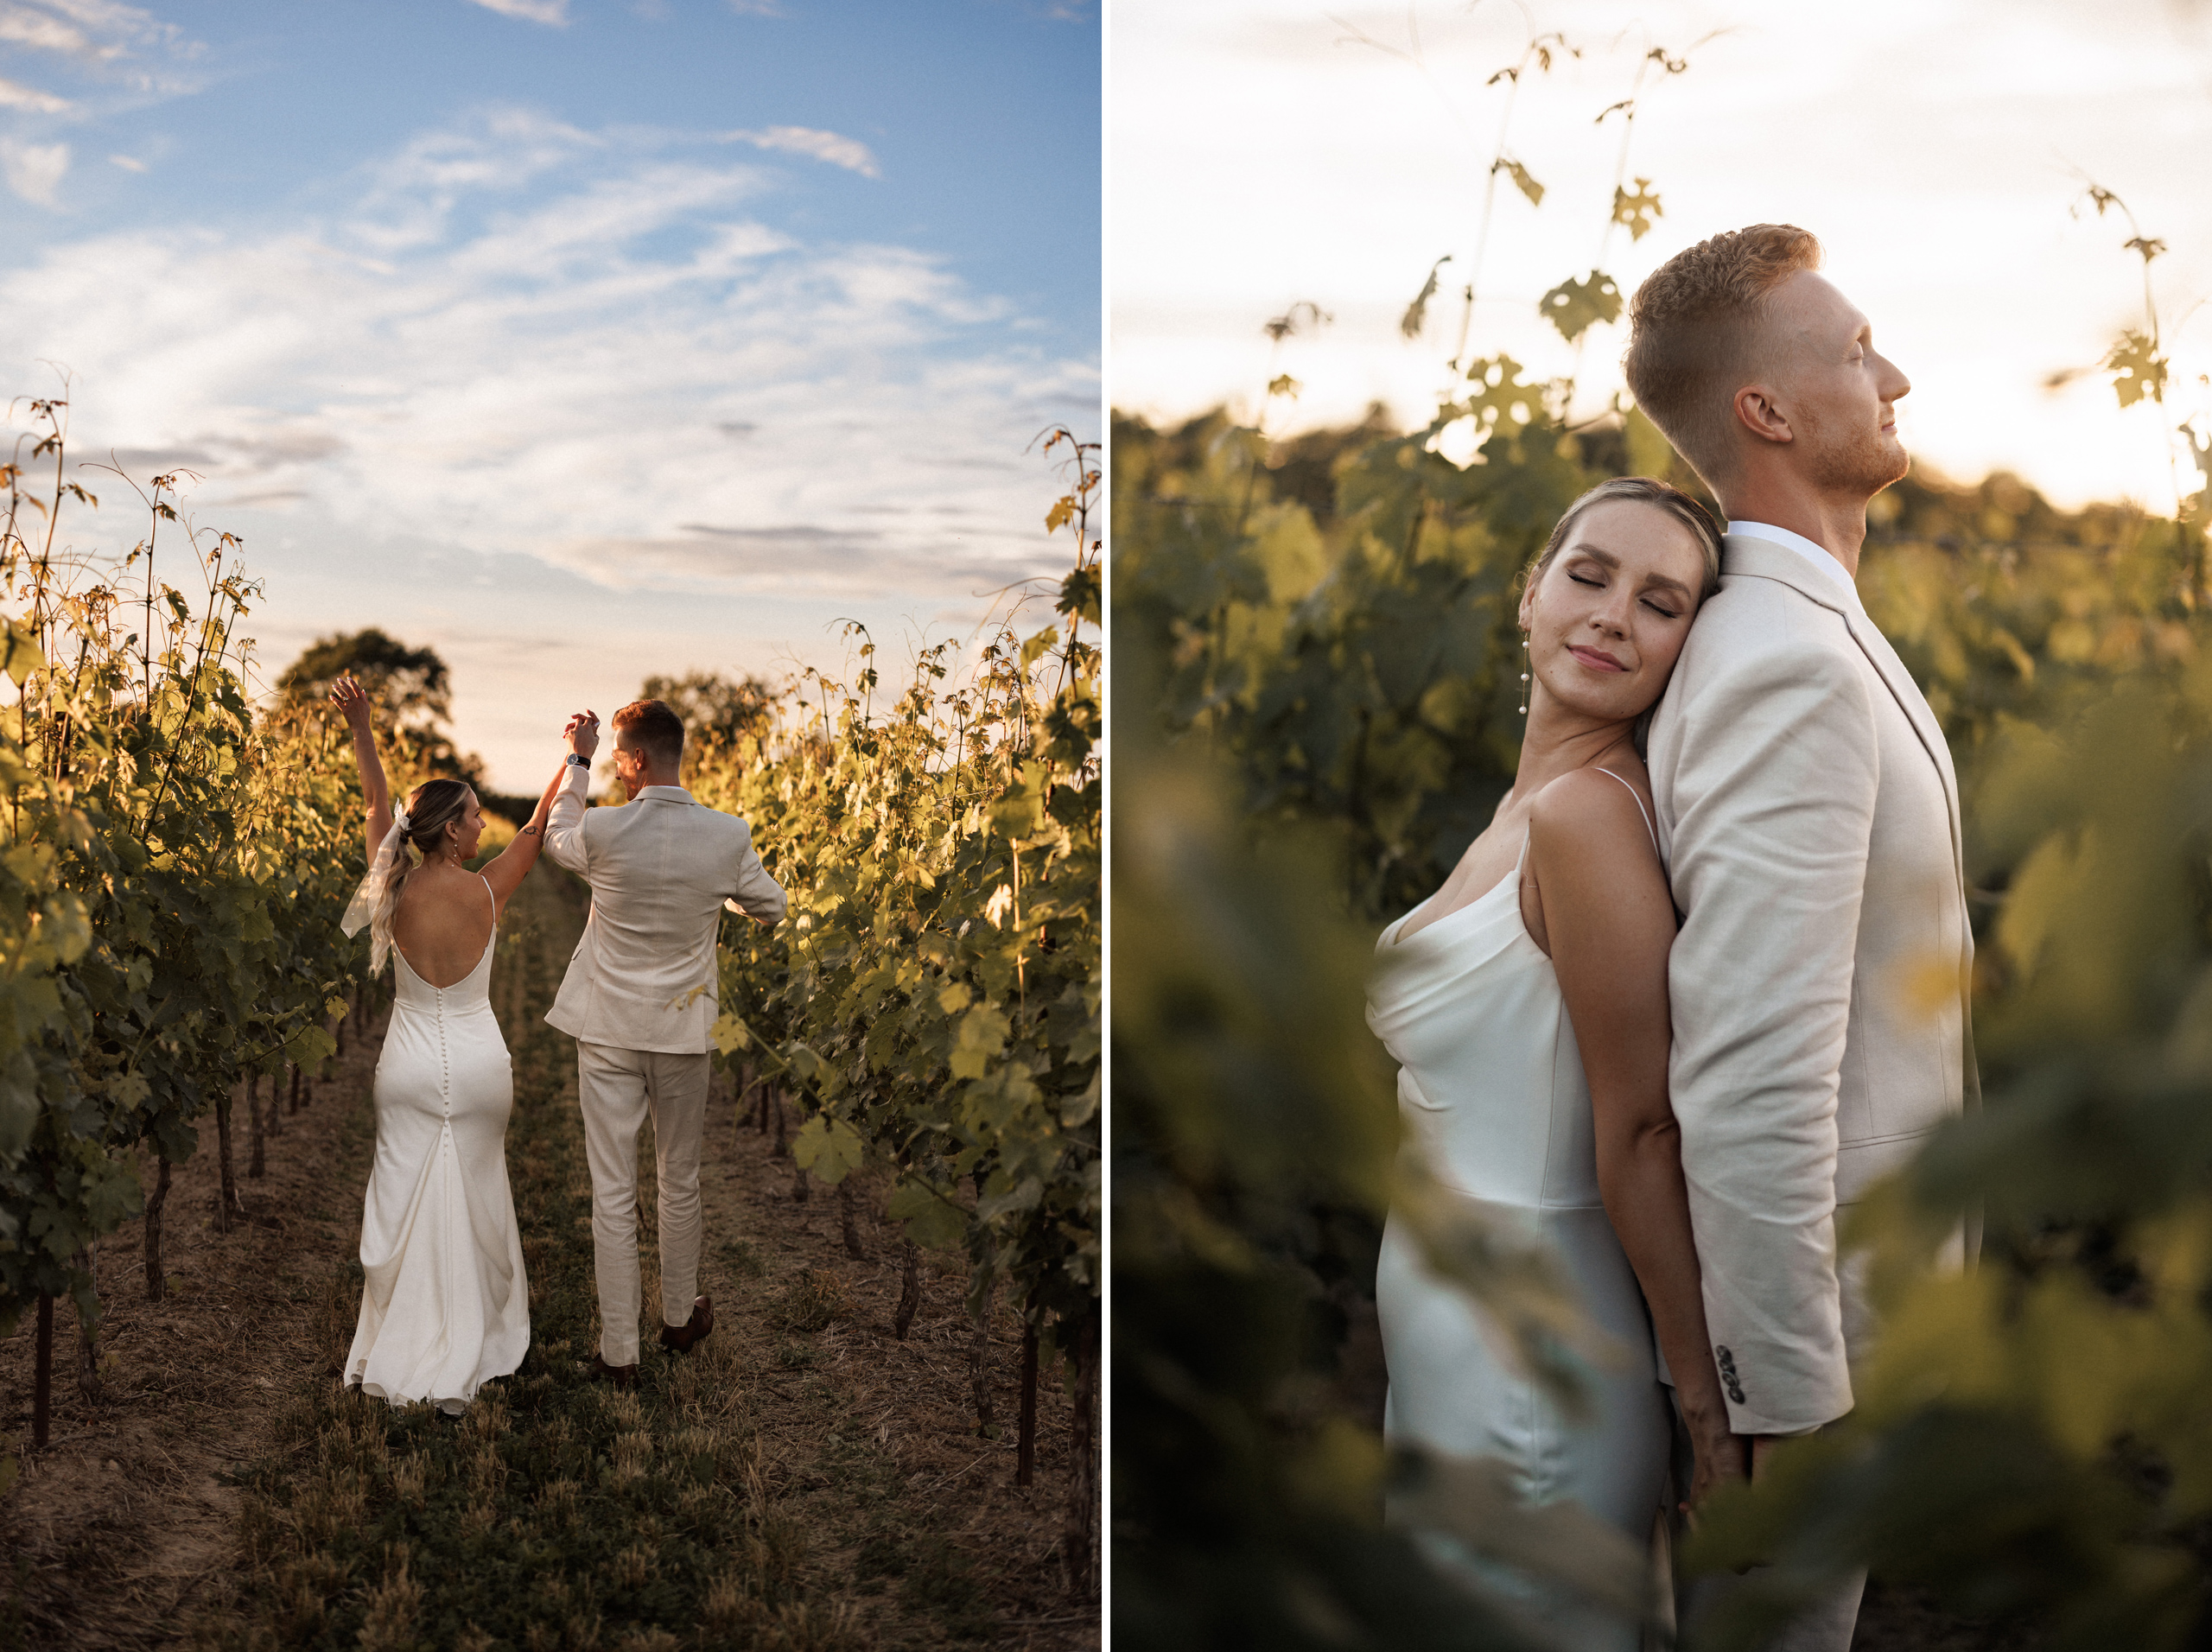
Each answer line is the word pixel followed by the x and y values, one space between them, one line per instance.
pixel 661 869
pixel 1808 816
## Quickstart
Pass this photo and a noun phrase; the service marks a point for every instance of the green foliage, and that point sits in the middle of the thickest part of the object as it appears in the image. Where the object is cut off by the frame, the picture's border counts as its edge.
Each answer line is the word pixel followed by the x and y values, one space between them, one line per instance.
pixel 934 996
pixel 173 867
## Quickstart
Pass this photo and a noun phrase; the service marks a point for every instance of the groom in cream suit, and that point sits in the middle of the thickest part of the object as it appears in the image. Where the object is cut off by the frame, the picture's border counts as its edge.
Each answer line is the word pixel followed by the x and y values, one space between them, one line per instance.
pixel 640 998
pixel 1809 817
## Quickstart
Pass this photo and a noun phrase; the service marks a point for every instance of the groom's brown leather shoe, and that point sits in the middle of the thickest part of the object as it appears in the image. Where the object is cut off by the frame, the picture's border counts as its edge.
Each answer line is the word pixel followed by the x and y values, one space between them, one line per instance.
pixel 597 1369
pixel 678 1338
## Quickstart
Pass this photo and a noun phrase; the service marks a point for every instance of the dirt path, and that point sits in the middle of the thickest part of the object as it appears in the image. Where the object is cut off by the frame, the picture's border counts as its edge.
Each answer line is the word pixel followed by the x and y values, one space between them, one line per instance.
pixel 802 1480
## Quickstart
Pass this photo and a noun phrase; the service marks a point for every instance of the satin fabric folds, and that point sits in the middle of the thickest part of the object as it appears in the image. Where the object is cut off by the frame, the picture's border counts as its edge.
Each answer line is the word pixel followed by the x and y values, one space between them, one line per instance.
pixel 445 1305
pixel 1492 1099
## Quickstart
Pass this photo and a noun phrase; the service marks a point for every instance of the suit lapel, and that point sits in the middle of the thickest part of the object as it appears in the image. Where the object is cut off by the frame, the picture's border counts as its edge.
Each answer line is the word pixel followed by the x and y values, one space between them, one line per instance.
pixel 1763 560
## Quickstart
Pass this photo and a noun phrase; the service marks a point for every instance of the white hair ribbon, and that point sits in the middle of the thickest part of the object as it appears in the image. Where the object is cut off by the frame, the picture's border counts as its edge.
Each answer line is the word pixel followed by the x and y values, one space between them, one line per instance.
pixel 369 906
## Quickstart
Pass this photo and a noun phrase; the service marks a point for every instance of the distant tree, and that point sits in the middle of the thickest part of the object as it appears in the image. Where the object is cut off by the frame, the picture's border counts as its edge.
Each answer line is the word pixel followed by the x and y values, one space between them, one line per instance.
pixel 715 711
pixel 411 689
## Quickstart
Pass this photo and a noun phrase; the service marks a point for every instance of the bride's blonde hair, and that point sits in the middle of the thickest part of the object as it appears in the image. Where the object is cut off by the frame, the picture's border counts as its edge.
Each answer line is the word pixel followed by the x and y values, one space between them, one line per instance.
pixel 432 808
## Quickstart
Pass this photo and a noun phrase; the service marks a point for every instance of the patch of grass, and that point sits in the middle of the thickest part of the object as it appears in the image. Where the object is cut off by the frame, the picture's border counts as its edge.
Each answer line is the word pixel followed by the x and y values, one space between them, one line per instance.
pixel 940 1583
pixel 742 1258
pixel 811 1301
pixel 795 1356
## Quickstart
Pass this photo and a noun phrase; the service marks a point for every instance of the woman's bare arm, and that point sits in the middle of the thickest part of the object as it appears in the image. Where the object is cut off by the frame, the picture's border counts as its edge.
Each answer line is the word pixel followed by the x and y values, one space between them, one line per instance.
pixel 1609 917
pixel 512 864
pixel 351 698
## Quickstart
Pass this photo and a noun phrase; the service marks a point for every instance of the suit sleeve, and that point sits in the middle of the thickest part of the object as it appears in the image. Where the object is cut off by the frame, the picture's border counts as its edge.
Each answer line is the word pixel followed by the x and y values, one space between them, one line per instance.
pixel 1773 778
pixel 564 823
pixel 755 894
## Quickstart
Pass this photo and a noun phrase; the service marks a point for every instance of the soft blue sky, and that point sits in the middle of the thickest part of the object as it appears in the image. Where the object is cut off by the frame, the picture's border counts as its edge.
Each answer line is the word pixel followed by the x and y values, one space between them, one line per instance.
pixel 580 339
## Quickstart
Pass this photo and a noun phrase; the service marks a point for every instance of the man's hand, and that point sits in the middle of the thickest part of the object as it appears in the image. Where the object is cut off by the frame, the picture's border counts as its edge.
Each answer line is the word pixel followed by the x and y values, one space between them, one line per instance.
pixel 582 733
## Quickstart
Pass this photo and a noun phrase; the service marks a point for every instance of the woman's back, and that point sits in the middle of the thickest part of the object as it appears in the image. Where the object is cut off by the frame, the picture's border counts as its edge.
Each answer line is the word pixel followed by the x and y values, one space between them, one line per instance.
pixel 443 923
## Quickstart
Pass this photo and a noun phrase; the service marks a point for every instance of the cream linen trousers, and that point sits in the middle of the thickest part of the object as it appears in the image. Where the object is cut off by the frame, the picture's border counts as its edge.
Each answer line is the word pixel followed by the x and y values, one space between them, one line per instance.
pixel 618 1089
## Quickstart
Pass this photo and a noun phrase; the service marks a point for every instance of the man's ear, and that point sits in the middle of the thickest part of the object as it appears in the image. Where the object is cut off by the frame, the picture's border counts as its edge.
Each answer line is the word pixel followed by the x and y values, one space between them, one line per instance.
pixel 1757 412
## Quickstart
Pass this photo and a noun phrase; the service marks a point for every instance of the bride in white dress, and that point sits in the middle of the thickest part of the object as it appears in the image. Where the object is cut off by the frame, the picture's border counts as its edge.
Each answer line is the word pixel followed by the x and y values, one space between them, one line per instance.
pixel 445 1306
pixel 1526 1002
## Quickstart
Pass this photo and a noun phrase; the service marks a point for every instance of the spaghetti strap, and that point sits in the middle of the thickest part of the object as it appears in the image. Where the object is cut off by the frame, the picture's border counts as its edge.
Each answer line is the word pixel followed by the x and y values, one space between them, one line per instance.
pixel 1640 809
pixel 495 899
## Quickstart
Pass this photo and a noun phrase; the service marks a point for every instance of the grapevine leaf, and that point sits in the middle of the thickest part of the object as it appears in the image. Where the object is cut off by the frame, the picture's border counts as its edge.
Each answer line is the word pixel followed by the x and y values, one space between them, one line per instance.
pixel 932 1222
pixel 981 1035
pixel 1063 511
pixel 1522 180
pixel 1637 210
pixel 729 1035
pixel 1501 396
pixel 1574 307
pixel 828 1148
pixel 2138 369
pixel 1284 385
pixel 19 655
pixel 1416 315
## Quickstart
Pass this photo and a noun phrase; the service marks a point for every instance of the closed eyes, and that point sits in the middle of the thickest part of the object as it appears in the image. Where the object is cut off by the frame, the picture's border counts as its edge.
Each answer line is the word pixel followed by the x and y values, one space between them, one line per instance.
pixel 1663 612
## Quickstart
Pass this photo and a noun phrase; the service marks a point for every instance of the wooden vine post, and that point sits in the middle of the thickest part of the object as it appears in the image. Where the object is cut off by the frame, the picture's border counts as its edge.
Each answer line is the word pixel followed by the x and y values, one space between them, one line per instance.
pixel 910 1288
pixel 226 1196
pixel 156 1281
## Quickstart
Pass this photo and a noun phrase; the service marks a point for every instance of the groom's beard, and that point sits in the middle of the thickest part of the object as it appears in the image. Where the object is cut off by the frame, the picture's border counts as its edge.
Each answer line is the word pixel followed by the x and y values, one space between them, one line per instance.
pixel 1864 463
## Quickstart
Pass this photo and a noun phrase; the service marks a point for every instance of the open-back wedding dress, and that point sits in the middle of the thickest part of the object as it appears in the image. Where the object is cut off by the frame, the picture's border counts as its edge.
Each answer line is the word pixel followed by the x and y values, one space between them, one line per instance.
pixel 445 1306
pixel 1491 1096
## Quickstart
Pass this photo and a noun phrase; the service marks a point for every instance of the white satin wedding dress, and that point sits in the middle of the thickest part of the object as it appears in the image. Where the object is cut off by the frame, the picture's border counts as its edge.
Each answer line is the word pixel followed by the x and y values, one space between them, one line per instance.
pixel 1492 1098
pixel 445 1306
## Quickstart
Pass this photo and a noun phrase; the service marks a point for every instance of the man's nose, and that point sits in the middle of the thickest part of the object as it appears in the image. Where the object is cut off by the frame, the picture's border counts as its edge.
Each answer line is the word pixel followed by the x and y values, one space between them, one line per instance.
pixel 1895 385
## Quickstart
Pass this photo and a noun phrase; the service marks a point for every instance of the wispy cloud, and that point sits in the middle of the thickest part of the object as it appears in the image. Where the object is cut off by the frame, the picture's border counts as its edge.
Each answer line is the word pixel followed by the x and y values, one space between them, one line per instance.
pixel 833 146
pixel 13 96
pixel 128 163
pixel 35 171
pixel 579 346
pixel 103 42
pixel 553 12
pixel 758 8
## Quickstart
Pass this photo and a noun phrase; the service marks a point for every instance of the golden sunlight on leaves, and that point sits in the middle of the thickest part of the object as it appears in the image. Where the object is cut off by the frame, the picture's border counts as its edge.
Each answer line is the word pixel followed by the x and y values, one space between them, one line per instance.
pixel 1522 180
pixel 1574 307
pixel 2138 370
pixel 1636 211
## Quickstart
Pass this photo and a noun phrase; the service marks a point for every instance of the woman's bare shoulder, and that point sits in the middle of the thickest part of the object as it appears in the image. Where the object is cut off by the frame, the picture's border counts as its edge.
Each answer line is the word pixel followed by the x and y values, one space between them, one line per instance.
pixel 1595 810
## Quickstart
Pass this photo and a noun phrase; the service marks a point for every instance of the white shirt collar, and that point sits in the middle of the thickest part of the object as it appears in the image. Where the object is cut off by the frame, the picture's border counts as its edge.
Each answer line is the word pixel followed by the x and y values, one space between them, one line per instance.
pixel 1811 550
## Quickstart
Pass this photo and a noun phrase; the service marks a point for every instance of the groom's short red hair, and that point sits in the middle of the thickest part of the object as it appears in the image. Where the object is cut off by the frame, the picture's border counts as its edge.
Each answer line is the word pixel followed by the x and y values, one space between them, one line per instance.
pixel 1693 333
pixel 653 729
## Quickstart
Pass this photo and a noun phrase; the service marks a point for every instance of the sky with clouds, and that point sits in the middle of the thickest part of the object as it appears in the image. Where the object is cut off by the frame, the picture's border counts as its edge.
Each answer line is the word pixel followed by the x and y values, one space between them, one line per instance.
pixel 581 340
pixel 1266 152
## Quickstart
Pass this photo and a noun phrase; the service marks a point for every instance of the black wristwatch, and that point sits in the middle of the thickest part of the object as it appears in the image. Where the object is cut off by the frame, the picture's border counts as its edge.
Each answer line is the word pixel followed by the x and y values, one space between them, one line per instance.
pixel 579 760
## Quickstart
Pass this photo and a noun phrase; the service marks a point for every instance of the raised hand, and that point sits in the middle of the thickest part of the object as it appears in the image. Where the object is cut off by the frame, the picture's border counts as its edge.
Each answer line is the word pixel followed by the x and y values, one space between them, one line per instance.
pixel 581 733
pixel 351 698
